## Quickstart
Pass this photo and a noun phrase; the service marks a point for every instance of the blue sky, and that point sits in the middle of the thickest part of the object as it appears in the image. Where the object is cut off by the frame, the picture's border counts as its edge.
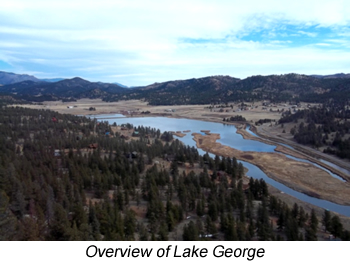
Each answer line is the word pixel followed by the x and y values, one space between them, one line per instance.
pixel 141 42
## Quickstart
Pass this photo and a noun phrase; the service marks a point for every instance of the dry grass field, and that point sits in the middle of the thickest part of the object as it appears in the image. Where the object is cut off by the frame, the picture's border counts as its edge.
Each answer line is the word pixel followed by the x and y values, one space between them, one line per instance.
pixel 300 176
pixel 135 107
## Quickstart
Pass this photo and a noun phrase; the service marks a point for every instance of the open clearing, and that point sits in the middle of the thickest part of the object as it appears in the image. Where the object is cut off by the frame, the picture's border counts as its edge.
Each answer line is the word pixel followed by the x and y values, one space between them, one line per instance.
pixel 300 176
pixel 136 107
pixel 304 177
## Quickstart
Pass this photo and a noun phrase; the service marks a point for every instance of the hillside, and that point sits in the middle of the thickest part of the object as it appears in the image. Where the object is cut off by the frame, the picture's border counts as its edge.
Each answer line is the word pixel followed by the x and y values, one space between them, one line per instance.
pixel 10 78
pixel 66 89
pixel 52 80
pixel 65 177
pixel 222 89
pixel 287 87
pixel 191 91
pixel 337 75
pixel 213 89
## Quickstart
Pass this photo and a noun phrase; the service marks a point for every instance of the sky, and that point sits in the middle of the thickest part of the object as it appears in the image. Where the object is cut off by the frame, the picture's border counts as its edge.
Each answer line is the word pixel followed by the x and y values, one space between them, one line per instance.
pixel 139 42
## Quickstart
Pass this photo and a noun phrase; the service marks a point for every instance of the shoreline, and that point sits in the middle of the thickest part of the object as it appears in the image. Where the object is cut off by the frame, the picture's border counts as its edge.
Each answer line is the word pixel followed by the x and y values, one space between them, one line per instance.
pixel 83 104
pixel 290 172
pixel 309 190
pixel 293 152
pixel 289 199
pixel 183 112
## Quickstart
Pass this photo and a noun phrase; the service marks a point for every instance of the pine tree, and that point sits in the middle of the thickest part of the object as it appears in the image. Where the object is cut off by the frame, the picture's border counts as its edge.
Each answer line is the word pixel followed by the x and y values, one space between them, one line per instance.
pixel 59 227
pixel 336 226
pixel 143 234
pixel 190 232
pixel 163 232
pixel 8 222
pixel 94 223
pixel 129 225
pixel 326 220
pixel 231 232
pixel 313 221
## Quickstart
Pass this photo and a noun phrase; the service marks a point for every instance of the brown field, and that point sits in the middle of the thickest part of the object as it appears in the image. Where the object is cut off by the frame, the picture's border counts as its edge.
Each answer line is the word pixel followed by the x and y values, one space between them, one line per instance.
pixel 135 107
pixel 297 175
pixel 303 177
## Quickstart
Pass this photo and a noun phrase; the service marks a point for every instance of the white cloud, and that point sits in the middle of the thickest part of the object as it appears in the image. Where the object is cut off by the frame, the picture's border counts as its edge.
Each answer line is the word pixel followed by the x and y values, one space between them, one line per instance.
pixel 310 34
pixel 138 40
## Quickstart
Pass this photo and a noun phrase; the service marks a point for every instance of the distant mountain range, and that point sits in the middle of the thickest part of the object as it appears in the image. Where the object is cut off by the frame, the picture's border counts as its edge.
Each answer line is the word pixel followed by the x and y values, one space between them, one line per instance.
pixel 213 89
pixel 53 80
pixel 74 88
pixel 9 78
pixel 332 76
pixel 121 85
pixel 221 89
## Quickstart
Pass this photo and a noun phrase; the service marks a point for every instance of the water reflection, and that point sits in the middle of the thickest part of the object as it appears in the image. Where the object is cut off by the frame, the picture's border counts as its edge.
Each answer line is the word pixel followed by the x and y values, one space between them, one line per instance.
pixel 230 138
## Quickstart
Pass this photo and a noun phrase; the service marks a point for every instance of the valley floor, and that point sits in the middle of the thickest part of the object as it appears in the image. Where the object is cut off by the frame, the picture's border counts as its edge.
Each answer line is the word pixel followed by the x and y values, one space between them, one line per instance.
pixel 328 189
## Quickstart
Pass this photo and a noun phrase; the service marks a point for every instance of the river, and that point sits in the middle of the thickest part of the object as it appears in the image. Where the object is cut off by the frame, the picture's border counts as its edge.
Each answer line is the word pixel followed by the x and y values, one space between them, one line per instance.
pixel 230 138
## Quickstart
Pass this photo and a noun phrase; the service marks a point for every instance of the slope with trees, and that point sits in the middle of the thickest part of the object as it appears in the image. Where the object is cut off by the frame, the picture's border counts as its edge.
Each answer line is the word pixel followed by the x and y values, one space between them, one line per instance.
pixel 64 177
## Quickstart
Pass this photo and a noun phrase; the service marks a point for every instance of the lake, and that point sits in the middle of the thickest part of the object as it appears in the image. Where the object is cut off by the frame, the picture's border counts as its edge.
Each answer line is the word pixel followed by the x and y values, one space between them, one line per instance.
pixel 230 138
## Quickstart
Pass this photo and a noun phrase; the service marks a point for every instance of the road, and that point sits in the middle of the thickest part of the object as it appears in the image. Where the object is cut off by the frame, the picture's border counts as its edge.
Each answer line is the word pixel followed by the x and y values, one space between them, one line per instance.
pixel 264 133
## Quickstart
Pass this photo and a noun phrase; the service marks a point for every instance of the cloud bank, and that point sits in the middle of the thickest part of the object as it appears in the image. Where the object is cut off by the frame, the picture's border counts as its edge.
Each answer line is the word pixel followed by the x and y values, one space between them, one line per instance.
pixel 141 42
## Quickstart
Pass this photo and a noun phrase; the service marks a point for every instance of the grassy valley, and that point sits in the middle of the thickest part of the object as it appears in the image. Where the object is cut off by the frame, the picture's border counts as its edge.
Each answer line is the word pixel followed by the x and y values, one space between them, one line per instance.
pixel 64 177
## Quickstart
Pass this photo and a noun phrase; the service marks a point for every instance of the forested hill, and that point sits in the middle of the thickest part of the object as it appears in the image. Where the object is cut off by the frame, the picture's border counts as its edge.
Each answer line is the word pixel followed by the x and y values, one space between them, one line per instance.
pixel 213 89
pixel 10 78
pixel 327 126
pixel 64 177
pixel 191 91
pixel 74 88
pixel 218 89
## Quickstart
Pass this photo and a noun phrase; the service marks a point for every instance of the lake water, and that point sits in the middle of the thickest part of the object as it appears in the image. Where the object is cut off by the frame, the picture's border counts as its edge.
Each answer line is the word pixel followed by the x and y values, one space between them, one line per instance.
pixel 230 138
pixel 307 161
pixel 336 167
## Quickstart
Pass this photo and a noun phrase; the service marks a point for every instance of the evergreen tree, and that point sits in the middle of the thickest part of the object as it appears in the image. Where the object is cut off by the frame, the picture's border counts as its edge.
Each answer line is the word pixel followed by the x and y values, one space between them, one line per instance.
pixel 336 226
pixel 190 232
pixel 326 221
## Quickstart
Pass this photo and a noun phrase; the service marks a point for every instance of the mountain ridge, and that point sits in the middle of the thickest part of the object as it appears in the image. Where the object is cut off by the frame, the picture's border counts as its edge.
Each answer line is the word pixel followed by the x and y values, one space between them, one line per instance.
pixel 330 76
pixel 52 79
pixel 69 88
pixel 290 87
pixel 10 78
